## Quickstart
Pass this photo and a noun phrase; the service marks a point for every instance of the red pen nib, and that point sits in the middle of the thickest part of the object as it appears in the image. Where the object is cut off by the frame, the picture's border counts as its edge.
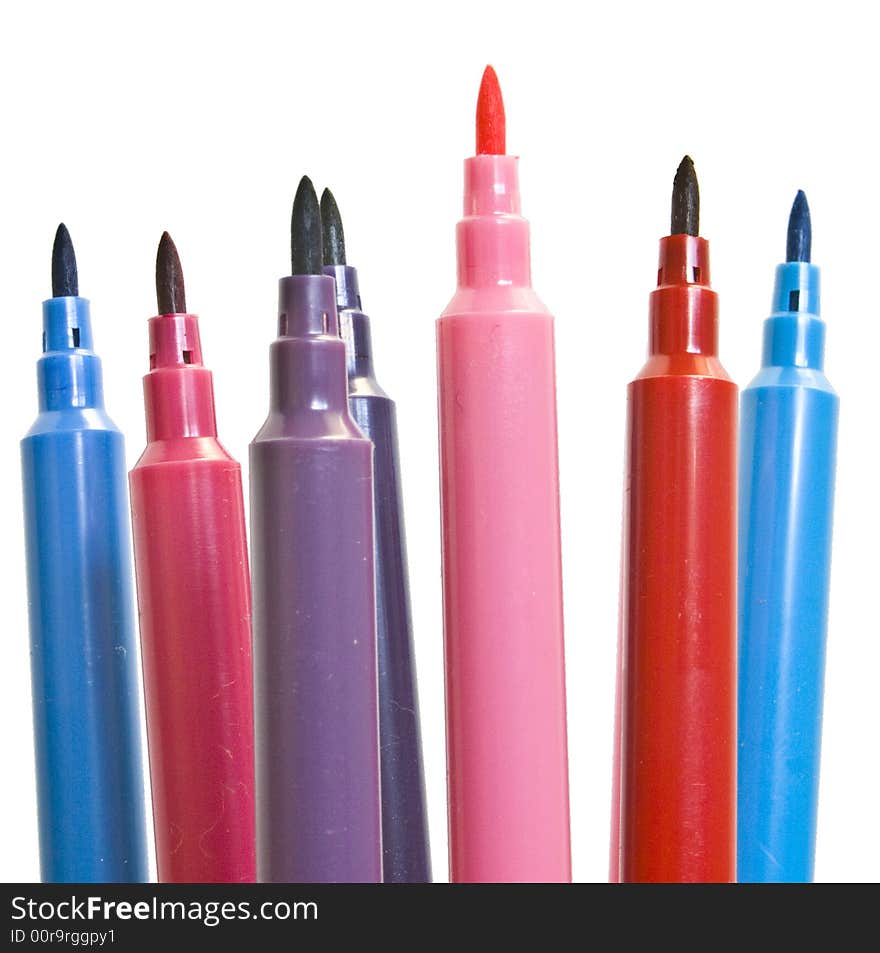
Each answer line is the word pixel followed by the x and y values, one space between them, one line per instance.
pixel 491 130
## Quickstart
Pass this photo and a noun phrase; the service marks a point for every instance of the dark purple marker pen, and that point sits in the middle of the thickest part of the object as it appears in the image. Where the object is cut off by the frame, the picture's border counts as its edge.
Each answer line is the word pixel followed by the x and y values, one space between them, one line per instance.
pixel 317 744
pixel 406 856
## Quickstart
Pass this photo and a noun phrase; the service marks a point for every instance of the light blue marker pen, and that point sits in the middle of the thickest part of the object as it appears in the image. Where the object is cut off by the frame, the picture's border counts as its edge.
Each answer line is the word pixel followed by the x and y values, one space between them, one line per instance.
pixel 788 445
pixel 82 623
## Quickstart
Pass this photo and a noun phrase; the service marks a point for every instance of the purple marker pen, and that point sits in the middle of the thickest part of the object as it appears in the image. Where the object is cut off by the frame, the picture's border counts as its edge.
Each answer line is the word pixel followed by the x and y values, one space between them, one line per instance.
pixel 317 744
pixel 405 851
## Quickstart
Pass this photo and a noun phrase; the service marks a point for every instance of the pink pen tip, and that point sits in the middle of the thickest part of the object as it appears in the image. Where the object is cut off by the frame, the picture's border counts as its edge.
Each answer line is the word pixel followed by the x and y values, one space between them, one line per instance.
pixel 491 129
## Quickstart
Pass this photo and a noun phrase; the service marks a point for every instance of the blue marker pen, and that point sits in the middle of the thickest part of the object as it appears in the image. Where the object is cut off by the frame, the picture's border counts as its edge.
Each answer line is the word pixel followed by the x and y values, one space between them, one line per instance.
pixel 787 459
pixel 405 849
pixel 82 627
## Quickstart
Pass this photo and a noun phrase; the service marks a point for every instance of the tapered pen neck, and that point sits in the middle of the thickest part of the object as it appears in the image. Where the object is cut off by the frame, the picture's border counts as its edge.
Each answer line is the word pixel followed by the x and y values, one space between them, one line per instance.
pixel 684 309
pixel 69 372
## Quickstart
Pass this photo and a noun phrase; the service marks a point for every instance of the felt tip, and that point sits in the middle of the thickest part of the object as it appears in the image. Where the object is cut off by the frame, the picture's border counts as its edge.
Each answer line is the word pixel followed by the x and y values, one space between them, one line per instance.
pixel 65 279
pixel 306 242
pixel 170 290
pixel 331 225
pixel 798 245
pixel 491 124
pixel 685 200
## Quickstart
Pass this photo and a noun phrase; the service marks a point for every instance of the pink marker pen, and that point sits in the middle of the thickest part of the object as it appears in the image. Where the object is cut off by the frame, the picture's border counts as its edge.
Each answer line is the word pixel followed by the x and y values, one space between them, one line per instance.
pixel 505 675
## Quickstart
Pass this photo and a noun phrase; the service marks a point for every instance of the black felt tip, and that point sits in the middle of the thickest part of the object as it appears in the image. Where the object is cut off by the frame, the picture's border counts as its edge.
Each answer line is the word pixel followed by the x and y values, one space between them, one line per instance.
pixel 800 230
pixel 65 280
pixel 170 290
pixel 306 243
pixel 685 200
pixel 334 236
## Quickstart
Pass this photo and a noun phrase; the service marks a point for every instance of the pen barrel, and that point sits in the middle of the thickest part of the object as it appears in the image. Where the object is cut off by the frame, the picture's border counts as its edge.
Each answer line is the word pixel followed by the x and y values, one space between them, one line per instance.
pixel 194 598
pixel 678 732
pixel 406 852
pixel 505 679
pixel 788 448
pixel 319 816
pixel 83 649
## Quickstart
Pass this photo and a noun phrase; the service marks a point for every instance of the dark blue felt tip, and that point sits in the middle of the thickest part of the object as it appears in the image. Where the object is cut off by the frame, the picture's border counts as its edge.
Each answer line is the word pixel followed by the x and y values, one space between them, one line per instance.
pixel 800 231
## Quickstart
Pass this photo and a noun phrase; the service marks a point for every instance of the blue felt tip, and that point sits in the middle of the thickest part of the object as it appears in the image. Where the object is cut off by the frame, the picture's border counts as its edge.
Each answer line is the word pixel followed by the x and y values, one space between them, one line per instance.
pixel 800 231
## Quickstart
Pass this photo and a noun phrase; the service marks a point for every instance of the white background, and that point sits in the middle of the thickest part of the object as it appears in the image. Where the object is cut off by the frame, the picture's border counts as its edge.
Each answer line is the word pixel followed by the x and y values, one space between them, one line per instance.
pixel 126 119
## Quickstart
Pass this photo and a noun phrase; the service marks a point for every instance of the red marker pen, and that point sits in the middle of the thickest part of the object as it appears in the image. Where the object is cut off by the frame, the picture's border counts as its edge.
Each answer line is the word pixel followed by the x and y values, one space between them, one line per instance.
pixel 678 673
pixel 195 609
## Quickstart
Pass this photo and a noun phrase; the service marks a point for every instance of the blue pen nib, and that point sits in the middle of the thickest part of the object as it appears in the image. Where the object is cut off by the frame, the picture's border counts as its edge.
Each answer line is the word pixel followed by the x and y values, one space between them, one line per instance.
pixel 800 231
pixel 65 283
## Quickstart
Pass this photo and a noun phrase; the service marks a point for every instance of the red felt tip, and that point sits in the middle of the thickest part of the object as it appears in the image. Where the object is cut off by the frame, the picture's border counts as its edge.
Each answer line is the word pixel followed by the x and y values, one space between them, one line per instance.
pixel 491 127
